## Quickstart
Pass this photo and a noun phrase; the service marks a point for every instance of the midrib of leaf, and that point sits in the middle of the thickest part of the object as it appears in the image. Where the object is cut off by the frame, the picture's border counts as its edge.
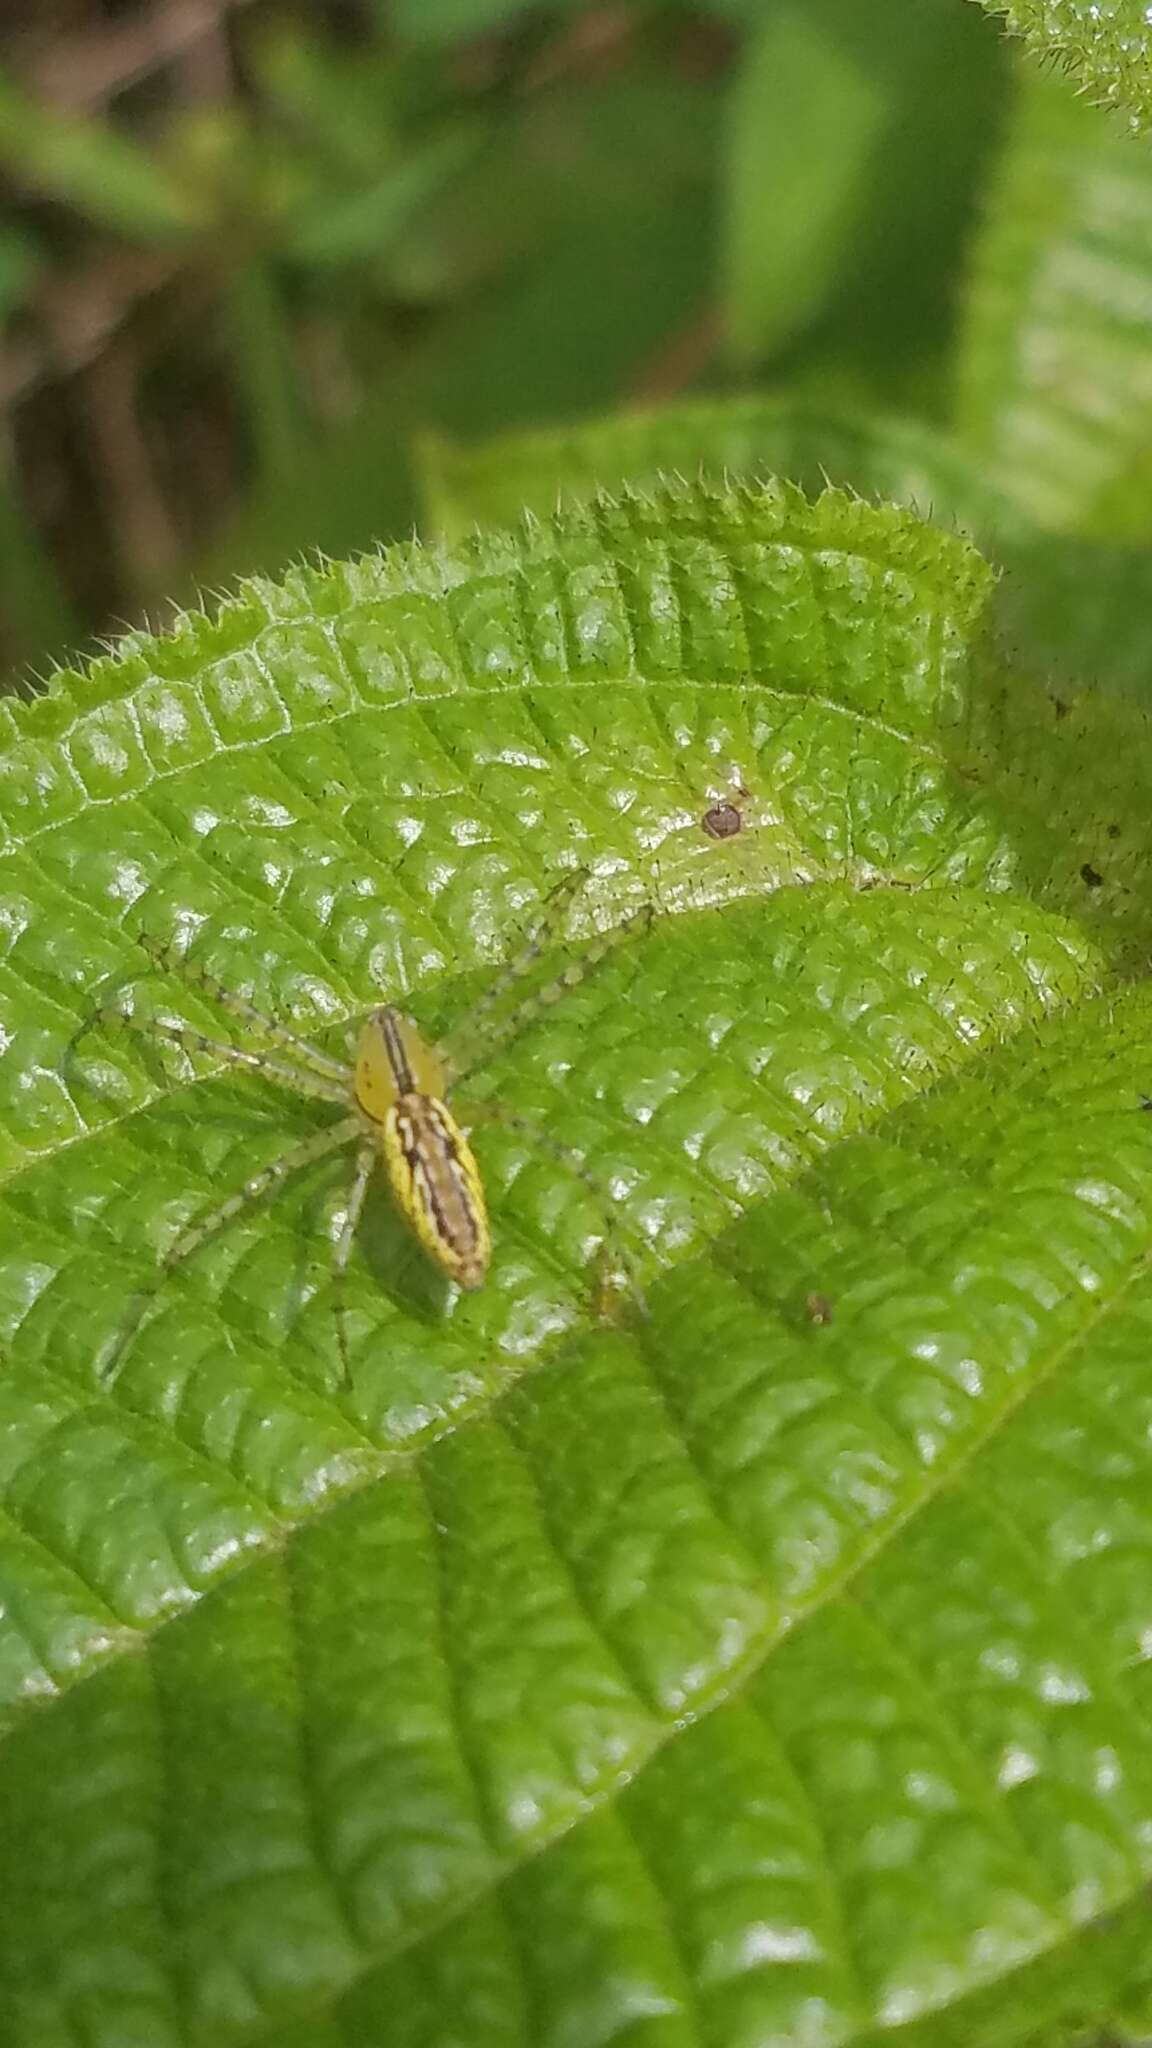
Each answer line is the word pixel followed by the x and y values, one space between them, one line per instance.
pixel 1013 748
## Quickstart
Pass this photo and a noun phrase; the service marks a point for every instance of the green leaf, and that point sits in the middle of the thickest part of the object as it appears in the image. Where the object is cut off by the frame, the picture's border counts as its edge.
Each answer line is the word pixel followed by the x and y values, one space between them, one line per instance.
pixel 91 167
pixel 1105 49
pixel 747 435
pixel 1069 608
pixel 348 227
pixel 345 105
pixel 724 1674
pixel 1055 384
pixel 595 211
pixel 464 484
pixel 857 151
pixel 837 108
pixel 805 121
pixel 1081 609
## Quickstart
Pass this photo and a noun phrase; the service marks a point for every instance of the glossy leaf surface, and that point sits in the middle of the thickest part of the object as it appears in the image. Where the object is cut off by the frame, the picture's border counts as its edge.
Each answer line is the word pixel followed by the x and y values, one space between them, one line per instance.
pixel 734 1673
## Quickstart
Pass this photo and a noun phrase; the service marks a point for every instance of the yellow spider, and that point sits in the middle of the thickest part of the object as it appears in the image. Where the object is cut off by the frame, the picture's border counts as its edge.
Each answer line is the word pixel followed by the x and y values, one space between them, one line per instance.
pixel 395 1090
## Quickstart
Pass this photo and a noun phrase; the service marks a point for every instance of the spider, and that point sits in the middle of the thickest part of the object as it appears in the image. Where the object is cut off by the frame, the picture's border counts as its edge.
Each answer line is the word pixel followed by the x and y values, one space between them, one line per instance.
pixel 394 1091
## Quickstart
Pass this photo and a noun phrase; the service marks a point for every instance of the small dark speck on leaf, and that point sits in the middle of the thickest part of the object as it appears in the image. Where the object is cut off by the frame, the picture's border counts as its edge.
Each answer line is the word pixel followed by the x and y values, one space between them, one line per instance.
pixel 723 821
pixel 1060 707
pixel 818 1308
pixel 1089 876
pixel 1146 1102
pixel 1113 831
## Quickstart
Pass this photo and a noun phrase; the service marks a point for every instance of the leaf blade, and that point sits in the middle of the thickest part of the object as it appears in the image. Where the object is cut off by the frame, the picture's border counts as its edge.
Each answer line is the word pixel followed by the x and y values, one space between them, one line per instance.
pixel 375 1711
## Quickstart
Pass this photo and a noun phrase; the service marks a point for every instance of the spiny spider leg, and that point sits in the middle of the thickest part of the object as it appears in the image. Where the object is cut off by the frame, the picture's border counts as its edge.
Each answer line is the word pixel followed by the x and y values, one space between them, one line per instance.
pixel 366 1160
pixel 103 1014
pixel 472 1028
pixel 227 999
pixel 306 1153
pixel 459 1067
pixel 277 1070
pixel 491 1112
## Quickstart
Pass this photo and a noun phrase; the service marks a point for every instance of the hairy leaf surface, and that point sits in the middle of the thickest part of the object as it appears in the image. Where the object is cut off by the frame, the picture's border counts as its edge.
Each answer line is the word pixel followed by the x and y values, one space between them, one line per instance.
pixel 747 435
pixel 1105 49
pixel 736 1673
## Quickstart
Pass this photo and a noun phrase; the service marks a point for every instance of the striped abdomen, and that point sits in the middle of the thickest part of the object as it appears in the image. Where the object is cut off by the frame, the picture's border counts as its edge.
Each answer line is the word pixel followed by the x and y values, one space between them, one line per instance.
pixel 436 1182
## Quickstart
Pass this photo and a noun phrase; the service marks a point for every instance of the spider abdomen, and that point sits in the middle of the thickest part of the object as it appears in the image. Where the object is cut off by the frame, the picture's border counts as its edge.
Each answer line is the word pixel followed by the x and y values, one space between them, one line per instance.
pixel 435 1179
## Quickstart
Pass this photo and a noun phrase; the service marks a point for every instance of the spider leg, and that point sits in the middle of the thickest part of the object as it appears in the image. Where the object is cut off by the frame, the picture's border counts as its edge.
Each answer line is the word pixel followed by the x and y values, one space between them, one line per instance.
pixel 462 1058
pixel 489 1112
pixel 365 1162
pixel 472 1025
pixel 163 957
pixel 297 1078
pixel 195 1234
pixel 102 1014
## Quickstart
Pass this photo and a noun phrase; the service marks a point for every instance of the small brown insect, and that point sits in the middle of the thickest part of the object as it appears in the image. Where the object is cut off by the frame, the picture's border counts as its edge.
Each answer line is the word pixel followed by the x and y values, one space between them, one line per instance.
pixel 818 1308
pixel 726 818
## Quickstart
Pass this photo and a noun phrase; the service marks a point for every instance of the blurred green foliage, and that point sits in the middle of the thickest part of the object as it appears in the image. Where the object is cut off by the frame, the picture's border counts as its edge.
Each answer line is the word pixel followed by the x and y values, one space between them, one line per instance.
pixel 420 224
